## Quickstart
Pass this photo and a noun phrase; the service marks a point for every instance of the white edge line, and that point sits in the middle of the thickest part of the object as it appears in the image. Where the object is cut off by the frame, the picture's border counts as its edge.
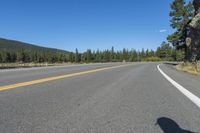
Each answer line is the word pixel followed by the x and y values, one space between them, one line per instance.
pixel 187 93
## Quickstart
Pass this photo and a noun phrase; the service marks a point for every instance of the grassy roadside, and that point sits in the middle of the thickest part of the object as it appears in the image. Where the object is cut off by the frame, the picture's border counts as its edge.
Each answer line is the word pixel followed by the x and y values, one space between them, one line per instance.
pixel 193 68
pixel 27 65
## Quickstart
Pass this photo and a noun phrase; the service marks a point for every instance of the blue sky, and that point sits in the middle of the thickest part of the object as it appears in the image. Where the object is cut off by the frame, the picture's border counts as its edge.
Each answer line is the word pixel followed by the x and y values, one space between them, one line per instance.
pixel 83 24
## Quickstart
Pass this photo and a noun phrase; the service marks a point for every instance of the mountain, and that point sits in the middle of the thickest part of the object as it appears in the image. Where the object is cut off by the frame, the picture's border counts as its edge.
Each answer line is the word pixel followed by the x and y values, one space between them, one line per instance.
pixel 16 51
pixel 12 45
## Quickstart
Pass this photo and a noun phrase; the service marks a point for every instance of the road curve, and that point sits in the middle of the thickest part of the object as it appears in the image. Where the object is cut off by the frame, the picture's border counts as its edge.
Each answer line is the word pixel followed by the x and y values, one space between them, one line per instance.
pixel 134 98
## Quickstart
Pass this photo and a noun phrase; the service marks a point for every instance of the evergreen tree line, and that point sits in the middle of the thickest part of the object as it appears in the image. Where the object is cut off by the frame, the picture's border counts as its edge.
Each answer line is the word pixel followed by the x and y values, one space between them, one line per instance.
pixel 164 52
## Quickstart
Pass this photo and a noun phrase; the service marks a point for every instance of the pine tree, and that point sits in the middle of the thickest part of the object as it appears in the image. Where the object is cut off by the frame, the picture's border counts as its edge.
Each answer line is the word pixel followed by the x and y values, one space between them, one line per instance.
pixel 112 54
pixel 12 56
pixel 181 14
pixel 89 55
pixel 98 56
pixel 0 57
pixel 77 56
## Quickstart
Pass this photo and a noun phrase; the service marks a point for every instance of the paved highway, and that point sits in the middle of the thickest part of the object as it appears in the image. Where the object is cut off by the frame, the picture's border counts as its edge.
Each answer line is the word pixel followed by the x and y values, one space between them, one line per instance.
pixel 99 98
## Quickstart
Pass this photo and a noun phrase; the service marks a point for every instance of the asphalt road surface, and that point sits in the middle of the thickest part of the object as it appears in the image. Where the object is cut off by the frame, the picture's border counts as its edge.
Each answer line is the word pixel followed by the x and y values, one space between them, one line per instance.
pixel 98 98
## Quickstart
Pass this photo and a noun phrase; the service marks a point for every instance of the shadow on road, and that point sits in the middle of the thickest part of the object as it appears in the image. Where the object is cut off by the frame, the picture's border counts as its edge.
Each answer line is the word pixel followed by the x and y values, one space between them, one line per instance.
pixel 170 126
pixel 171 63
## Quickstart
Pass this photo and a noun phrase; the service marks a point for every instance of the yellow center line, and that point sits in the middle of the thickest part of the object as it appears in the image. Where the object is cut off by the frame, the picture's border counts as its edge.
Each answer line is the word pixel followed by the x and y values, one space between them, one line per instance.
pixel 37 81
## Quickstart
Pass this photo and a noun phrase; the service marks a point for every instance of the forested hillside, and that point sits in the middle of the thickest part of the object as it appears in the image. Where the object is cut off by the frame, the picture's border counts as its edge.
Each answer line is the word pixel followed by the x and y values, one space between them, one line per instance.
pixel 15 51
pixel 6 44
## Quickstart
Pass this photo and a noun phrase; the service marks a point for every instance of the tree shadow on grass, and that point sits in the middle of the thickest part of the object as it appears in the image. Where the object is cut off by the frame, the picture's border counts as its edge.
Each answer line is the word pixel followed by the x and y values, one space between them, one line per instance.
pixel 170 126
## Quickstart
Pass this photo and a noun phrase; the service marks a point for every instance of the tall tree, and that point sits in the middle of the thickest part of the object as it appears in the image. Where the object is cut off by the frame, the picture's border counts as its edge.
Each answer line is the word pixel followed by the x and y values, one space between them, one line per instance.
pixel 112 54
pixel 89 55
pixel 77 56
pixel 0 57
pixel 181 14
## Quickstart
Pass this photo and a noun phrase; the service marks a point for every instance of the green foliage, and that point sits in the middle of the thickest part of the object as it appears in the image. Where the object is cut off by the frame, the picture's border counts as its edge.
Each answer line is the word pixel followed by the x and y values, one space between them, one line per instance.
pixel 153 59
pixel 179 54
pixel 164 51
pixel 181 14
pixel 15 51
pixel 77 56
pixel 25 54
pixel 88 55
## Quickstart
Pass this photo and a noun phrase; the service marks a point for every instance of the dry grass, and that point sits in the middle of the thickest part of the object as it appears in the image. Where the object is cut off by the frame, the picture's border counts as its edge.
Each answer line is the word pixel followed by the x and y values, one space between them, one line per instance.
pixel 25 65
pixel 193 68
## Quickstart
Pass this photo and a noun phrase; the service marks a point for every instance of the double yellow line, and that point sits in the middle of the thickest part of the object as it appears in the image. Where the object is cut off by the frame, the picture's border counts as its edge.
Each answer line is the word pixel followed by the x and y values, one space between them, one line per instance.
pixel 37 81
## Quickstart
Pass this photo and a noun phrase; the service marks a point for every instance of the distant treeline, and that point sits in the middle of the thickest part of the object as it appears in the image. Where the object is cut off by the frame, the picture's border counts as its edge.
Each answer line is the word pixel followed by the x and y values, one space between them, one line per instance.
pixel 163 53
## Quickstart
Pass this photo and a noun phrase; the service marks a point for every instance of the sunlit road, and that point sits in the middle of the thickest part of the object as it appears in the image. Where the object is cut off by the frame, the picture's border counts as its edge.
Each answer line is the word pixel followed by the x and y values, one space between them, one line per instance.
pixel 98 98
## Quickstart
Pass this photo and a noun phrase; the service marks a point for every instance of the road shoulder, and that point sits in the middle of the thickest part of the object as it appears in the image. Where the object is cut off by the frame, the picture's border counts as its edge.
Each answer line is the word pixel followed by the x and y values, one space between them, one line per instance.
pixel 188 81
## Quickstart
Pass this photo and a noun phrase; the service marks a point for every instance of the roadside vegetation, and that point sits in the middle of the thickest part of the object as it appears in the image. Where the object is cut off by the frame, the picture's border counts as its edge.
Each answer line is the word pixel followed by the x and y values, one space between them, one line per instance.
pixel 182 14
pixel 18 54
pixel 193 68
